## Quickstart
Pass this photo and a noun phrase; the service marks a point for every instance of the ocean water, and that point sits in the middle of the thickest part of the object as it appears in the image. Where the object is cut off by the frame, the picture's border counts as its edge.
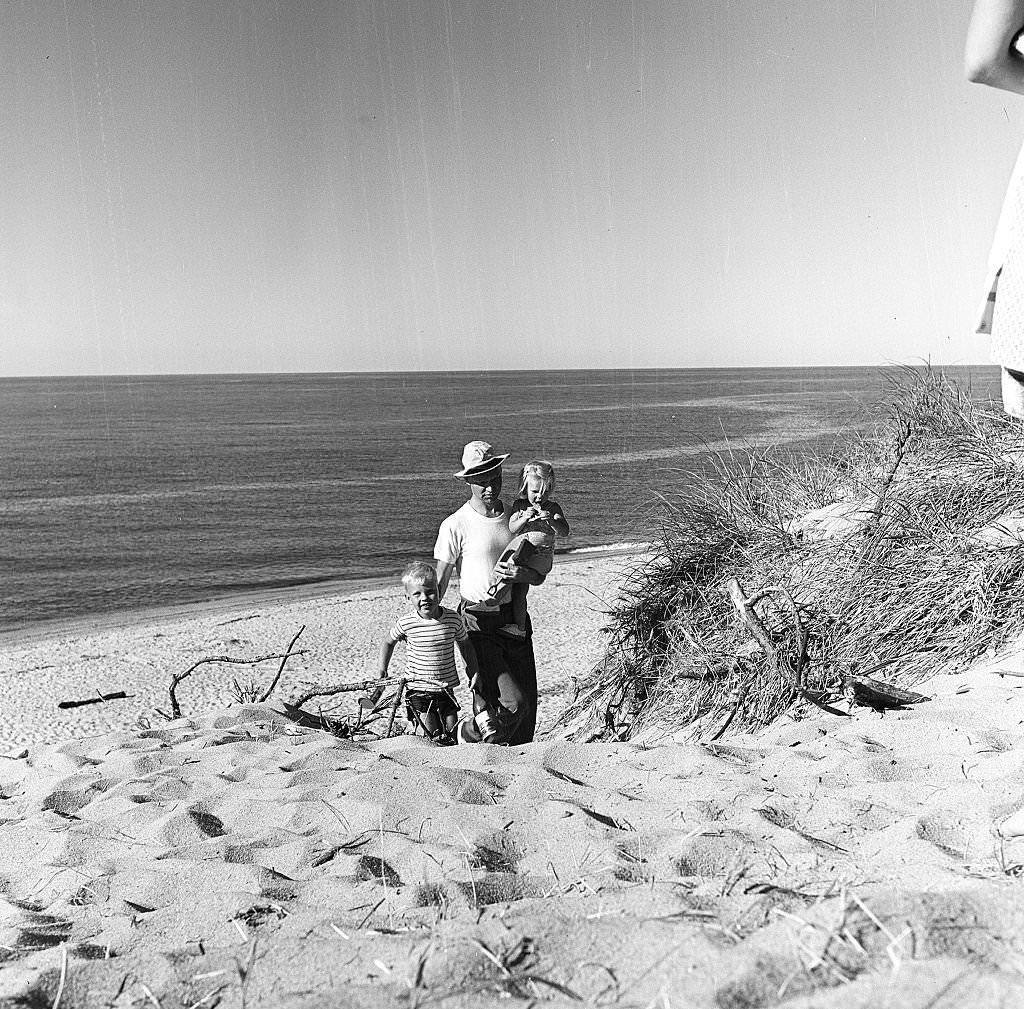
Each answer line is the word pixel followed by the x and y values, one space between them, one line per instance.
pixel 127 493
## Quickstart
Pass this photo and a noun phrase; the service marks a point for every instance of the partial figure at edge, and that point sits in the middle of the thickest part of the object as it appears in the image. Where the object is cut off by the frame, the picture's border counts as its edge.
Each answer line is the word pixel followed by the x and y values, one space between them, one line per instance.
pixel 993 56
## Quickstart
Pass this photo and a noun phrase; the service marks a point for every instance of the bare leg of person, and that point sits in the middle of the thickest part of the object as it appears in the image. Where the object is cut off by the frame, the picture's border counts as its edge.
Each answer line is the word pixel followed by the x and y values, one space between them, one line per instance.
pixel 430 721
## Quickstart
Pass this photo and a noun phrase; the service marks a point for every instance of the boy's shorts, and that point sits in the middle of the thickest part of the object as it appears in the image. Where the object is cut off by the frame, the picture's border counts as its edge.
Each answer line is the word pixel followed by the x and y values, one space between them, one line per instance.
pixel 439 702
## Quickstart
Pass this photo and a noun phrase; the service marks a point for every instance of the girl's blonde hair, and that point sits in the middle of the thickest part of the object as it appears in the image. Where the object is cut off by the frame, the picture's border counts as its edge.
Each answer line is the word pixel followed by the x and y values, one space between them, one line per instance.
pixel 419 573
pixel 539 468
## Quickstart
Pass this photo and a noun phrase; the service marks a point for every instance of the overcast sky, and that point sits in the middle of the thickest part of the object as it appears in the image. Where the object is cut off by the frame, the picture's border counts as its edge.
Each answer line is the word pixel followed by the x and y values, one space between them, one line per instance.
pixel 342 185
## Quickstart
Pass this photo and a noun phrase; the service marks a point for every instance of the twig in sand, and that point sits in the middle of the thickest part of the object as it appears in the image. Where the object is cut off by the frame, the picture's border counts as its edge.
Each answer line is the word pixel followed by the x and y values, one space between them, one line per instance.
pixel 280 669
pixel 149 995
pixel 369 914
pixel 514 966
pixel 63 975
pixel 206 998
pixel 178 677
pixel 394 707
pixel 732 714
pixel 245 973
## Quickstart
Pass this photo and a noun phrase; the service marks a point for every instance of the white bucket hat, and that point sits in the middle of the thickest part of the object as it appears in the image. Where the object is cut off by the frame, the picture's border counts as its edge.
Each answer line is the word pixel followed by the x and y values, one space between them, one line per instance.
pixel 478 457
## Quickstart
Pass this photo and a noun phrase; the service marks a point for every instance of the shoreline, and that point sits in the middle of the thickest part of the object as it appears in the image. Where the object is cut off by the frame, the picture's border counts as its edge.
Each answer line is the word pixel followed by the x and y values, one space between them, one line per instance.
pixel 115 620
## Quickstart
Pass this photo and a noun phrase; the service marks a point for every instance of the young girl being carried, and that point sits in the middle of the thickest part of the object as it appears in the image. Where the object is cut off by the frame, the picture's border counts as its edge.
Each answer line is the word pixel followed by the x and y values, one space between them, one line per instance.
pixel 534 521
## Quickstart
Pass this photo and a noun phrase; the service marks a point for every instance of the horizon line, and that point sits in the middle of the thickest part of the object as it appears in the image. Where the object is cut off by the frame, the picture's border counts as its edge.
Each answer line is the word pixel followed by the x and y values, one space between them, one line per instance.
pixel 494 371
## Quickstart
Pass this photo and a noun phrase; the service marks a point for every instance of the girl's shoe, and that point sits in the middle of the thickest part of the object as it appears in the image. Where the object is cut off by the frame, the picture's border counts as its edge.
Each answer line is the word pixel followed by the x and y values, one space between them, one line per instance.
pixel 513 631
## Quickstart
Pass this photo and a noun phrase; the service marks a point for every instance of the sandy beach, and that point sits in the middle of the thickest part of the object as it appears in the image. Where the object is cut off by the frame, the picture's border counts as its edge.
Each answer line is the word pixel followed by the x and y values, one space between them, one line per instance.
pixel 232 858
pixel 138 653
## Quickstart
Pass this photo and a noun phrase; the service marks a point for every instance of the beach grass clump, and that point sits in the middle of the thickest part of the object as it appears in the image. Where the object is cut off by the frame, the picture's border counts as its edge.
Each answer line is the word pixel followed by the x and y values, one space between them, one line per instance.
pixel 893 554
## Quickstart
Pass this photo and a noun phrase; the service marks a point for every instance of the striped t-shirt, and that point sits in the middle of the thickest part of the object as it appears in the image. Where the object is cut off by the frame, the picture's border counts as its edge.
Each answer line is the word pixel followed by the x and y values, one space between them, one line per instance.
pixel 430 646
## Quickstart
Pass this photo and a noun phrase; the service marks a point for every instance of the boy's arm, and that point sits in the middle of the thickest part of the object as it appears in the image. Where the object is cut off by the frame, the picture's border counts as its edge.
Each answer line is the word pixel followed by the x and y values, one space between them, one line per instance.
pixel 468 653
pixel 386 650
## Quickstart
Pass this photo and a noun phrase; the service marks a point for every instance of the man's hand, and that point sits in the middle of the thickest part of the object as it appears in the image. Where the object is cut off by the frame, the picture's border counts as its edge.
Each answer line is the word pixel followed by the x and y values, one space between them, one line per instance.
pixel 510 572
pixel 507 570
pixel 474 682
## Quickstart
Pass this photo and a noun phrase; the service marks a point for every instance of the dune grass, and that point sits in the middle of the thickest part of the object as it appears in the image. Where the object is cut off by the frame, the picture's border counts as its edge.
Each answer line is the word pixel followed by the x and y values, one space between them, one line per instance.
pixel 901 583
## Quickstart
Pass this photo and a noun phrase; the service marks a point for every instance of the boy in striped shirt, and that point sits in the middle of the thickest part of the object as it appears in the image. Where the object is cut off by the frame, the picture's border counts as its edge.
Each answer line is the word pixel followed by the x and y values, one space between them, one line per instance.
pixel 431 633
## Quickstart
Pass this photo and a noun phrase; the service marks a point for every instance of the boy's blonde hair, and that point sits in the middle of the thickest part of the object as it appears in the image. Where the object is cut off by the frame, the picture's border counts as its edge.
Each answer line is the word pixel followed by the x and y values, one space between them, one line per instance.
pixel 419 573
pixel 539 468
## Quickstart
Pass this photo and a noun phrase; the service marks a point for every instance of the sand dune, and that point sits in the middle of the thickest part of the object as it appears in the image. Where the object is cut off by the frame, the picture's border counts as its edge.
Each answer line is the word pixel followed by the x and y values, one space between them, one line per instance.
pixel 233 858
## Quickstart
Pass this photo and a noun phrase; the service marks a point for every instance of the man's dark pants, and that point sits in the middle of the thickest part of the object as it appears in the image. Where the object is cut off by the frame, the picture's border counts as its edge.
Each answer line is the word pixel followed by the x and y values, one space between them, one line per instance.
pixel 508 671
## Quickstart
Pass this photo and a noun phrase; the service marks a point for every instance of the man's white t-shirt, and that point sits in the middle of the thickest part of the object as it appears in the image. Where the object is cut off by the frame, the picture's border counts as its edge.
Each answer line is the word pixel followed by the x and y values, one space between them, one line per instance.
pixel 473 543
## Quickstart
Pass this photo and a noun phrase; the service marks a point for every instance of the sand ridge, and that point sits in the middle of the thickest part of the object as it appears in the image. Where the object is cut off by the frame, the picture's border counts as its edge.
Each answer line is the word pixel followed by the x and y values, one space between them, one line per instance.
pixel 234 858
pixel 238 858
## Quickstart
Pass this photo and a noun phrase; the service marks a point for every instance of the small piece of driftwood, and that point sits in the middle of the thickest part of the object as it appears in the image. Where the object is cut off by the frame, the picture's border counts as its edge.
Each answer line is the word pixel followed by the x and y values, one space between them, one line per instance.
pixel 117 695
pixel 878 694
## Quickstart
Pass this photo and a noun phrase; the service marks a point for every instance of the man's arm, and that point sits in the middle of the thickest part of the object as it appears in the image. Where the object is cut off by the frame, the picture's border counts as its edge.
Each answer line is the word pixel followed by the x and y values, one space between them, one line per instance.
pixel 444 574
pixel 990 55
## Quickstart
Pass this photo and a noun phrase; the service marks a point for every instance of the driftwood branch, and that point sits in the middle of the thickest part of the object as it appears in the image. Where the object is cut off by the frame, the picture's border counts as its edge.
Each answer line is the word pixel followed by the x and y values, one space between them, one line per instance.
pixel 904 431
pixel 878 694
pixel 330 689
pixel 117 695
pixel 280 669
pixel 394 707
pixel 746 605
pixel 374 688
pixel 178 677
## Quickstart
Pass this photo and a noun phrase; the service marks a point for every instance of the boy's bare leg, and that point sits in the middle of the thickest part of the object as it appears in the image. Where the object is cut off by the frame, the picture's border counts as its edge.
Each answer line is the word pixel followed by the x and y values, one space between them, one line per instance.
pixel 430 721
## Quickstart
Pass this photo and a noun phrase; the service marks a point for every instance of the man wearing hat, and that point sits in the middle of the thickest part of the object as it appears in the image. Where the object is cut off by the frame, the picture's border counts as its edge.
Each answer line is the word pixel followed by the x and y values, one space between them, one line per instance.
pixel 470 541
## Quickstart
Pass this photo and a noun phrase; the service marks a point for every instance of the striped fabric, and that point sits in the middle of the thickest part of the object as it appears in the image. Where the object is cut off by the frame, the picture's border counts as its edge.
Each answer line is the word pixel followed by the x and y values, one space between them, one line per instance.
pixel 430 646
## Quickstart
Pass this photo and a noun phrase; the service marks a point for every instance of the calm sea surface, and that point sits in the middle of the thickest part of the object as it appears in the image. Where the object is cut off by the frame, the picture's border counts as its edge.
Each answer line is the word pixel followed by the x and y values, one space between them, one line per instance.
pixel 127 493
